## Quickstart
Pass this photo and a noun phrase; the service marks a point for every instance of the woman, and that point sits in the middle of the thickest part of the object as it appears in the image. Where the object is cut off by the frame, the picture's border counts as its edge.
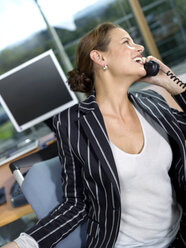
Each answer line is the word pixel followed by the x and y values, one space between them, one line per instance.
pixel 123 153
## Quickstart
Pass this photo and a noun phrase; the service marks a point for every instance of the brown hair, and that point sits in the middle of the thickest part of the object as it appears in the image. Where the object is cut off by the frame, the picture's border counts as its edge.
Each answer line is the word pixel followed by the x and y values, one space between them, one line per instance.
pixel 82 77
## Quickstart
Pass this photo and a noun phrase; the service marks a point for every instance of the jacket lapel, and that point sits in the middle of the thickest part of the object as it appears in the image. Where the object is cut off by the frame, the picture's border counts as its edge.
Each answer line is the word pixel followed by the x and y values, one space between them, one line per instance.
pixel 160 112
pixel 93 124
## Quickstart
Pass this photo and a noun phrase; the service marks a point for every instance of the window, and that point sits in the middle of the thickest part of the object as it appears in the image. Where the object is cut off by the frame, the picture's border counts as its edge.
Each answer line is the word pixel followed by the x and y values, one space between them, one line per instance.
pixel 24 33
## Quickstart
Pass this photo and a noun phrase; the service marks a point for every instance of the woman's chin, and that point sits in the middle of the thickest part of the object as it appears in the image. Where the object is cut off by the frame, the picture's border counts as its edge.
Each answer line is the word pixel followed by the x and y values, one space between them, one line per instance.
pixel 140 76
pixel 142 73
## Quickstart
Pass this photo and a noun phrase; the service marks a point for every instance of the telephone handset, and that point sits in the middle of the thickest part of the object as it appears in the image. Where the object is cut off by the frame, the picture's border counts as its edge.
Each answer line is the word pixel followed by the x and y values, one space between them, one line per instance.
pixel 152 68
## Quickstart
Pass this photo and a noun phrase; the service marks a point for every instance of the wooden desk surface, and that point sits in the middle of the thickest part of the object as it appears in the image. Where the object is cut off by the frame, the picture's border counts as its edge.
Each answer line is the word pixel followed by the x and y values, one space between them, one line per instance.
pixel 7 212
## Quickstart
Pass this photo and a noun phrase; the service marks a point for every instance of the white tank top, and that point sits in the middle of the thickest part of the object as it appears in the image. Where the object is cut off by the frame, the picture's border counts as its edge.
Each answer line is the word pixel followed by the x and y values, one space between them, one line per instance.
pixel 150 216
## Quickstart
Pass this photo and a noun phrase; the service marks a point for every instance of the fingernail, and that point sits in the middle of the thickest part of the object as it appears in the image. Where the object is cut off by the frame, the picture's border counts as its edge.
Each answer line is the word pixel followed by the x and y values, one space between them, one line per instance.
pixel 143 59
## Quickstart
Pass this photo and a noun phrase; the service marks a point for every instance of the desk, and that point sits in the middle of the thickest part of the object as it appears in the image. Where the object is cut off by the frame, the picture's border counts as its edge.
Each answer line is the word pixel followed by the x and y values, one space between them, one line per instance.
pixel 7 212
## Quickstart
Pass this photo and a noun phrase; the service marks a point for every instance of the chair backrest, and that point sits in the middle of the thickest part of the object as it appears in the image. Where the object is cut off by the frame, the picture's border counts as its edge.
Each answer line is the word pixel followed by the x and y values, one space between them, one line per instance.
pixel 43 190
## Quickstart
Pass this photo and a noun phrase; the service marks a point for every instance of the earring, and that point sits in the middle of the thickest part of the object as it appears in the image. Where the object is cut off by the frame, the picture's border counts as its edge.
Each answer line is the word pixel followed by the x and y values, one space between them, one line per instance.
pixel 105 67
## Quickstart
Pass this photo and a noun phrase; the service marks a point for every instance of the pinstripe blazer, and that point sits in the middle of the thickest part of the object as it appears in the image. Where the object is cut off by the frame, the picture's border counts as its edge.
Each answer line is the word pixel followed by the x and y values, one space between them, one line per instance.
pixel 89 177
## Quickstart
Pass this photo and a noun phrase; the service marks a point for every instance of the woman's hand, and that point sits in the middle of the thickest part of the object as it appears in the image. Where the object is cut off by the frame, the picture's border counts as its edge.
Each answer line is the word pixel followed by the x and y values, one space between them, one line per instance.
pixel 163 79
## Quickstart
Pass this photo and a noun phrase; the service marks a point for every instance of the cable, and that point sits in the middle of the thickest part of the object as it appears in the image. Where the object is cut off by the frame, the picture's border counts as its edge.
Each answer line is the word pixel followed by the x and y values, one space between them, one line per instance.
pixel 175 79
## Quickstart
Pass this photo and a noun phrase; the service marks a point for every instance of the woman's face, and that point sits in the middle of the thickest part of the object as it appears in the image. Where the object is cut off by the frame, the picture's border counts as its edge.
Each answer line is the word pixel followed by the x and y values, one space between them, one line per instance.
pixel 122 55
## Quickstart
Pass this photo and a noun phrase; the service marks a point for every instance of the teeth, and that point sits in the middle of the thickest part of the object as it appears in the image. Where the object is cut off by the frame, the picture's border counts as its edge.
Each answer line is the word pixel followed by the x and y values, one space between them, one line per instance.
pixel 138 59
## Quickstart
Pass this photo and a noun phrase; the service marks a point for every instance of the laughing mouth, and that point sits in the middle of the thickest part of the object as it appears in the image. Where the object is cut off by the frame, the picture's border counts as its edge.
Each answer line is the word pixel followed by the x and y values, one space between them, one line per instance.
pixel 139 60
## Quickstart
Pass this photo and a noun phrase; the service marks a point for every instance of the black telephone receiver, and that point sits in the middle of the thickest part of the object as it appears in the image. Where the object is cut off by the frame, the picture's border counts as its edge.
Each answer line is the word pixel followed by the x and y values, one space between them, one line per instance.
pixel 152 68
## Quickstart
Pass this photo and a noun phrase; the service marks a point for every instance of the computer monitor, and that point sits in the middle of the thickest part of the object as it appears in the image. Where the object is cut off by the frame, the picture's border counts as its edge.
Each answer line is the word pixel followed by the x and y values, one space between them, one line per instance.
pixel 35 91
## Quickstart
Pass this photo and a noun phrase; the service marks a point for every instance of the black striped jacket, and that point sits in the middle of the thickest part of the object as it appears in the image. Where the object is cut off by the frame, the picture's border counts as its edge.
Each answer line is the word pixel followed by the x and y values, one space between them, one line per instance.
pixel 90 180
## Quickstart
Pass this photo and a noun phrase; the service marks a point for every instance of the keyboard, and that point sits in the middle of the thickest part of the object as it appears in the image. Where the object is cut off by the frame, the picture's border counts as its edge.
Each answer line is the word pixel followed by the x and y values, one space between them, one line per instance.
pixel 17 150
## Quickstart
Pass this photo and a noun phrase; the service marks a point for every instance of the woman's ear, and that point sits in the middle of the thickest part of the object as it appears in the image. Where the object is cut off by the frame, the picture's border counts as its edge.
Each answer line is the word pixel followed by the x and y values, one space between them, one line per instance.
pixel 97 57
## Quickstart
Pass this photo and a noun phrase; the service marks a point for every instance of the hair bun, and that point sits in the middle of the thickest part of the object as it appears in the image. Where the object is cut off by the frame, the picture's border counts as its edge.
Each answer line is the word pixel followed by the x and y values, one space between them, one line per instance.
pixel 79 81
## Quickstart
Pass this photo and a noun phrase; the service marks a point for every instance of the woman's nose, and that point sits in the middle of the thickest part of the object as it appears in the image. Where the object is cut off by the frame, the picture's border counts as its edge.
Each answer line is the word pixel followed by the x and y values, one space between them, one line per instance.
pixel 140 48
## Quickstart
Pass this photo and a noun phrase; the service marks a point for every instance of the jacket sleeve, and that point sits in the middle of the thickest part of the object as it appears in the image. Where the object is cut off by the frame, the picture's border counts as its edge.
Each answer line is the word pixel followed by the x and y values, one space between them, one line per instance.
pixel 68 215
pixel 181 116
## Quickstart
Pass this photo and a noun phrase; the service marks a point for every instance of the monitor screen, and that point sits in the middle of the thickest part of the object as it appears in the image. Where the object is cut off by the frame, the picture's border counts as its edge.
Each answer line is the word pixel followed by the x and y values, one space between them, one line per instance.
pixel 35 91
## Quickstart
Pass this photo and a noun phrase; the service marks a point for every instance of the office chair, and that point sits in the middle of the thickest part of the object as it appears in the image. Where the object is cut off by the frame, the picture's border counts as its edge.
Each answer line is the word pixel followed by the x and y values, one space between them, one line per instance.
pixel 42 188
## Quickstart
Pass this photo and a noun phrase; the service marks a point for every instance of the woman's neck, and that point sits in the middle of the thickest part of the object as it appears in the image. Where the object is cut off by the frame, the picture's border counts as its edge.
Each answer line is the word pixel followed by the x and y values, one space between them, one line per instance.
pixel 113 100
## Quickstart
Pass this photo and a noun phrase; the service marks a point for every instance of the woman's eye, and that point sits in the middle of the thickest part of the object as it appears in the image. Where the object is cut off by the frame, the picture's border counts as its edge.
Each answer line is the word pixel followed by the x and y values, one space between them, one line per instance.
pixel 126 42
